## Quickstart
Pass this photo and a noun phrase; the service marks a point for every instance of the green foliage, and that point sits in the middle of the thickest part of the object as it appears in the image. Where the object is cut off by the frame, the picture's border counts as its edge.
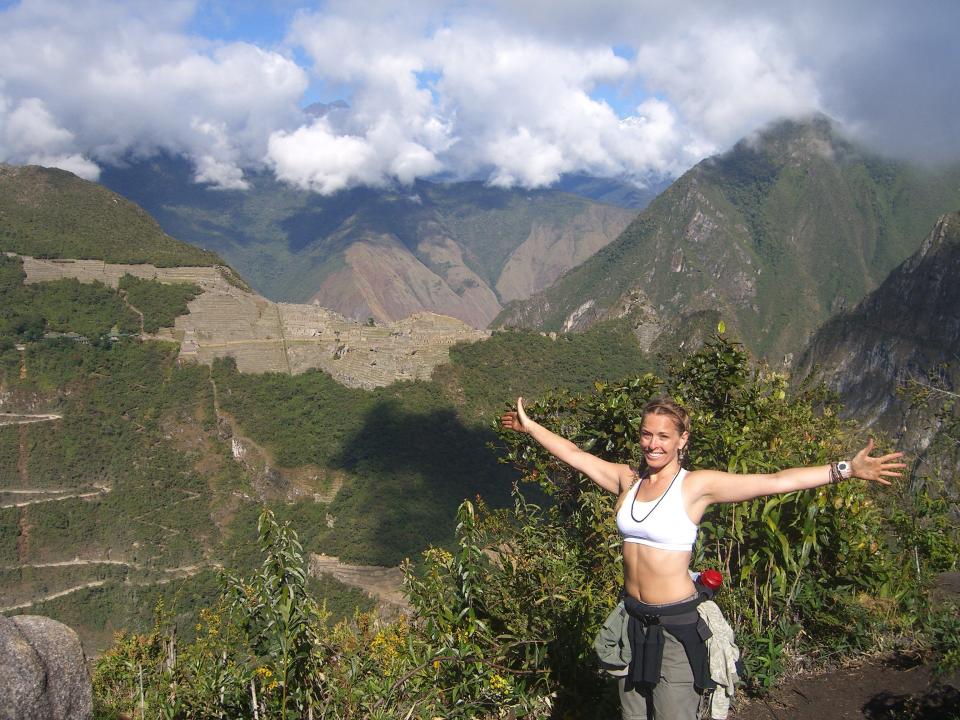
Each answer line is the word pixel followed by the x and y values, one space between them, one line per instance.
pixel 52 213
pixel 89 309
pixel 267 650
pixel 512 363
pixel 503 620
pixel 408 458
pixel 9 532
pixel 160 303
pixel 807 570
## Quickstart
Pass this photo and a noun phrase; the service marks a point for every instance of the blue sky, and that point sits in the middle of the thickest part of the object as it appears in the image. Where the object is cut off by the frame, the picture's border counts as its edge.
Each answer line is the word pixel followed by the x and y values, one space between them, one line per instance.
pixel 517 92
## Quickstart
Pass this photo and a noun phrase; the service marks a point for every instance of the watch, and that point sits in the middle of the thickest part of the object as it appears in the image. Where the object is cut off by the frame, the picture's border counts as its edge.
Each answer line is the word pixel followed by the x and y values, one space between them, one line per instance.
pixel 846 469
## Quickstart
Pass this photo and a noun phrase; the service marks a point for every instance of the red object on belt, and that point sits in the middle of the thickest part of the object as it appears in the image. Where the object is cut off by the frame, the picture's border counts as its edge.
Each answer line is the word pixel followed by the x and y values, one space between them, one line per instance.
pixel 711 578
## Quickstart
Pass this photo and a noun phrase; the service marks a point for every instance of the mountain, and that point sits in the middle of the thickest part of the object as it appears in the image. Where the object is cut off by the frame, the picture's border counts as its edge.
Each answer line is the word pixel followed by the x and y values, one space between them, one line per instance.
pixel 130 474
pixel 612 190
pixel 904 330
pixel 52 213
pixel 459 249
pixel 775 235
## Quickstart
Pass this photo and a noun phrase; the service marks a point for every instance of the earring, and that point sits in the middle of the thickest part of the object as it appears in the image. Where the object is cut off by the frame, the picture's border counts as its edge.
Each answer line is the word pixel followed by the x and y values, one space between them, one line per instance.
pixel 682 455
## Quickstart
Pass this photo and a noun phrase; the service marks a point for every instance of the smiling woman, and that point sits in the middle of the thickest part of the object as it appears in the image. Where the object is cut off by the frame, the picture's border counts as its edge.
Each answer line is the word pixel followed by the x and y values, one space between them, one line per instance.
pixel 659 509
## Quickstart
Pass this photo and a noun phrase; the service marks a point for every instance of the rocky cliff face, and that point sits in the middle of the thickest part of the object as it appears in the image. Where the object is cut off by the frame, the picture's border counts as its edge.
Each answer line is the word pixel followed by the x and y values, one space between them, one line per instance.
pixel 776 235
pixel 904 329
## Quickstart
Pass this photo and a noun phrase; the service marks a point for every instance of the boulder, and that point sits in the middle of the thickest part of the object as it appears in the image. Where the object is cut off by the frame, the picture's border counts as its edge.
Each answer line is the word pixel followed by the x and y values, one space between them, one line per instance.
pixel 43 671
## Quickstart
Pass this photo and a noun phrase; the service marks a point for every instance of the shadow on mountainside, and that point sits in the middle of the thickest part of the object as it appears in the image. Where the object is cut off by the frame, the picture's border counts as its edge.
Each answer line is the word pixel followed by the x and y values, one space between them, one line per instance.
pixel 411 471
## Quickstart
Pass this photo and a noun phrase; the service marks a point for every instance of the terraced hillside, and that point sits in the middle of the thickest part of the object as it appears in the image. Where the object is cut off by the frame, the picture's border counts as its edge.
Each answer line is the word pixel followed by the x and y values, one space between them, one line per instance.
pixel 262 336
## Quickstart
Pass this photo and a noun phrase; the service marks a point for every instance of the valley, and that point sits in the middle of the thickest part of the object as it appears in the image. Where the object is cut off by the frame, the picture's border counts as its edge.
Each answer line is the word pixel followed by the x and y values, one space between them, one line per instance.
pixel 150 406
pixel 456 249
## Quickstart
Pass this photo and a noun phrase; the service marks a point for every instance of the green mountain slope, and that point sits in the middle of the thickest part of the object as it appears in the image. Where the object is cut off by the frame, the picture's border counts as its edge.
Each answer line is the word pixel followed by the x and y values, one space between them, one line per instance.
pixel 459 249
pixel 775 235
pixel 45 212
pixel 127 476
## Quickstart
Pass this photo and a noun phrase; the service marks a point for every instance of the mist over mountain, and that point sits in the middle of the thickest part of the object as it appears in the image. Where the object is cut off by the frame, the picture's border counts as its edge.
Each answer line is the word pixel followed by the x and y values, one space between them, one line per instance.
pixel 459 249
pixel 790 226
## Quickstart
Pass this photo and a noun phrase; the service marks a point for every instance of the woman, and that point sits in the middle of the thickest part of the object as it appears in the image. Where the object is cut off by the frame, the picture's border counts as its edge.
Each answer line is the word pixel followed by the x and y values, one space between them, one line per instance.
pixel 658 513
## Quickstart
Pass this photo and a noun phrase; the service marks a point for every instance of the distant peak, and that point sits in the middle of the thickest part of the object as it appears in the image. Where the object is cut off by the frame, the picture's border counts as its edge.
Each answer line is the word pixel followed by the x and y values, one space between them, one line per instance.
pixel 319 109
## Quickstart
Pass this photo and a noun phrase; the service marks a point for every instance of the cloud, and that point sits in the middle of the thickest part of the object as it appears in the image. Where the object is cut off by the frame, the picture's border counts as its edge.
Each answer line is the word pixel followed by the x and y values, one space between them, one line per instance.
pixel 730 79
pixel 472 98
pixel 29 134
pixel 124 79
pixel 516 93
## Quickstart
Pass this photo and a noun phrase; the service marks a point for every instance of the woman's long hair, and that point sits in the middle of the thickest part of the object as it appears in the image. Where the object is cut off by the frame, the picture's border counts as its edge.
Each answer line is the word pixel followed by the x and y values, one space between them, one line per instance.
pixel 661 406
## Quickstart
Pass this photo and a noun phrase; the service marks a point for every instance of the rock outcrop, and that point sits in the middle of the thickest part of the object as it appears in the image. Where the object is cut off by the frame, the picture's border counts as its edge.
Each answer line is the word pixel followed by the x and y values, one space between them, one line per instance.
pixel 43 671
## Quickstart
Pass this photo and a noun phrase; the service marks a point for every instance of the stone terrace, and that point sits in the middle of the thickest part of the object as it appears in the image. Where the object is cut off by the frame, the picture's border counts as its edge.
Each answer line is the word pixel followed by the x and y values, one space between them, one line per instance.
pixel 263 336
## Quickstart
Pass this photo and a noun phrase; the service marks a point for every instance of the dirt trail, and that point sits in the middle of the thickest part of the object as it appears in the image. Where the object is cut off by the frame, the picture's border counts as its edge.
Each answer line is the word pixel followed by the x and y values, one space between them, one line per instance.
pixel 22 456
pixel 176 573
pixel 23 535
pixel 53 596
pixel 897 686
pixel 25 419
pixel 126 301
pixel 888 688
pixel 101 490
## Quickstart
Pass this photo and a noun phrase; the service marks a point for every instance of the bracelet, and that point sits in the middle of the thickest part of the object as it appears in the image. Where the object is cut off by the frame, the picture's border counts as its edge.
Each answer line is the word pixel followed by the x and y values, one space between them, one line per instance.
pixel 835 475
pixel 842 470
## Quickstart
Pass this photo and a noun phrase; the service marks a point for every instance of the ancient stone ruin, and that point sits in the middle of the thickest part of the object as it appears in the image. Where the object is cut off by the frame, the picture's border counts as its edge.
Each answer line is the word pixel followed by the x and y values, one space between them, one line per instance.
pixel 264 336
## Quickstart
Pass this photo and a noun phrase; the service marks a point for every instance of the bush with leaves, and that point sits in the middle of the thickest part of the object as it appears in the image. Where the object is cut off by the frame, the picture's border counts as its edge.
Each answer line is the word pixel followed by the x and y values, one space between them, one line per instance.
pixel 267 650
pixel 502 624
pixel 807 570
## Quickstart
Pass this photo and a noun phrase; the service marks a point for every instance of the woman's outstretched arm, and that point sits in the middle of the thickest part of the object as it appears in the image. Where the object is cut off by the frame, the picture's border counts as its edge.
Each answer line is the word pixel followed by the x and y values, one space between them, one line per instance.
pixel 712 486
pixel 607 475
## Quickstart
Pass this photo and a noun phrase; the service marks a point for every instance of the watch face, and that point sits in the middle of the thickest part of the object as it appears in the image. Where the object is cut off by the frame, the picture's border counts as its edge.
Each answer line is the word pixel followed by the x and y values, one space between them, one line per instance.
pixel 843 467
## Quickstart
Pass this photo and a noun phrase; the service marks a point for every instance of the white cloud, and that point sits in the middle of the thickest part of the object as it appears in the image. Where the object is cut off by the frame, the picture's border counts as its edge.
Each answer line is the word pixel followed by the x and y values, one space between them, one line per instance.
pixel 29 134
pixel 77 164
pixel 514 92
pixel 729 80
pixel 125 79
pixel 512 106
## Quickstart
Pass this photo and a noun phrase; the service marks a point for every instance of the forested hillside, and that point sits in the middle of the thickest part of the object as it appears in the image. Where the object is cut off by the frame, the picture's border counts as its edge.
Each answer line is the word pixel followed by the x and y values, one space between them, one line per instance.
pixel 130 486
pixel 52 213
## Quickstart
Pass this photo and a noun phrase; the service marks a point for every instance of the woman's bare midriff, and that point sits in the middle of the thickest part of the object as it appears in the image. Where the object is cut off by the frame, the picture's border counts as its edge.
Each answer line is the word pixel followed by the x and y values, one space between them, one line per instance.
pixel 656 576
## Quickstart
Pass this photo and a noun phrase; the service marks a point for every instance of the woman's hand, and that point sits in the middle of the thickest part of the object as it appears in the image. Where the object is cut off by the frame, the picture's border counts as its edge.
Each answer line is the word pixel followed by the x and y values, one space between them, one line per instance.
pixel 515 419
pixel 876 468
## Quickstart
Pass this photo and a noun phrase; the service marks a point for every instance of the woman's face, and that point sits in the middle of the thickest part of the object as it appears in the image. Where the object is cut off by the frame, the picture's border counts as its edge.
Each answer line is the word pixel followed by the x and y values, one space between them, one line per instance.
pixel 660 440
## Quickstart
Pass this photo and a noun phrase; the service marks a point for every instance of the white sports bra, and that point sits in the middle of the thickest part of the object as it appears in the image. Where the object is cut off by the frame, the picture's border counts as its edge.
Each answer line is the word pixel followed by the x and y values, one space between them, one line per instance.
pixel 662 523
